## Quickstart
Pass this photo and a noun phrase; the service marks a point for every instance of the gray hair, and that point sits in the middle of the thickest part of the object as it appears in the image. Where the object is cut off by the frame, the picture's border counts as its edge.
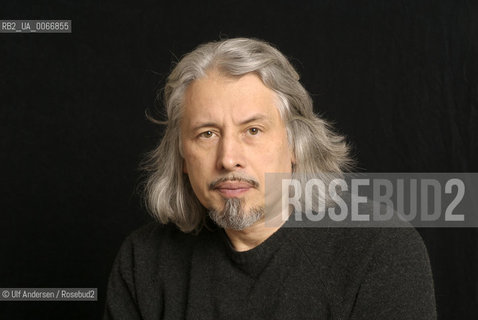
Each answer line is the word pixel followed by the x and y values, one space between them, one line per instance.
pixel 318 150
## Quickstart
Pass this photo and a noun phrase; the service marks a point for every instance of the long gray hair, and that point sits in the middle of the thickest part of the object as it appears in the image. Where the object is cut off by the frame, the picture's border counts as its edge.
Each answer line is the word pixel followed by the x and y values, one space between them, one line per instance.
pixel 318 151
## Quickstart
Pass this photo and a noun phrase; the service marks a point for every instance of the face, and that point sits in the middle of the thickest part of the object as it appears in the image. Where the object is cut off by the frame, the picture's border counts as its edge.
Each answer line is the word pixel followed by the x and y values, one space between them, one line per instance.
pixel 231 135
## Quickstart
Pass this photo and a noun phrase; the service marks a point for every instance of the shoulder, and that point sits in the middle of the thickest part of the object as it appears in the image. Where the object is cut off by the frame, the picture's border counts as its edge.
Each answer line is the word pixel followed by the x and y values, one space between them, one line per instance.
pixel 355 265
pixel 149 236
pixel 154 245
pixel 152 234
pixel 344 256
pixel 355 244
pixel 141 266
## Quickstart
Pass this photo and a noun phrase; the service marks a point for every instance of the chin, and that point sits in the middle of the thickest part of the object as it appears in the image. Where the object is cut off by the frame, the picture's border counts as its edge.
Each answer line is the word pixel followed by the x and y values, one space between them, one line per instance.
pixel 235 216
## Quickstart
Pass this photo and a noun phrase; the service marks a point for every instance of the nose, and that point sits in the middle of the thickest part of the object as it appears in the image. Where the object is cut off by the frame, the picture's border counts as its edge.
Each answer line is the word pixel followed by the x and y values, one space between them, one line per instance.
pixel 230 156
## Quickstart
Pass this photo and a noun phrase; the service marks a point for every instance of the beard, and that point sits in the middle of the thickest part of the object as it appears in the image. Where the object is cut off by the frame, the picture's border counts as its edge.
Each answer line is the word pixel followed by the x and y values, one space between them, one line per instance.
pixel 233 216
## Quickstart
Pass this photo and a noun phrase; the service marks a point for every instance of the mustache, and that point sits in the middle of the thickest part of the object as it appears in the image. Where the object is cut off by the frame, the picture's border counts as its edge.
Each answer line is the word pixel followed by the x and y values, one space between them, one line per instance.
pixel 242 178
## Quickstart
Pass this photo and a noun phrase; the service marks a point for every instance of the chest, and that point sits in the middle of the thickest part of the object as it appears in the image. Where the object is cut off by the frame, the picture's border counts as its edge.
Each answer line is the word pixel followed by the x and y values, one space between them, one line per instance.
pixel 214 287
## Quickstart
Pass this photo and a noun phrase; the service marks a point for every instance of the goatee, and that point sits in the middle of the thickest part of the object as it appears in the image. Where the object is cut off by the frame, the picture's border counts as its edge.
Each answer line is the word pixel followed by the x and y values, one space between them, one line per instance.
pixel 234 217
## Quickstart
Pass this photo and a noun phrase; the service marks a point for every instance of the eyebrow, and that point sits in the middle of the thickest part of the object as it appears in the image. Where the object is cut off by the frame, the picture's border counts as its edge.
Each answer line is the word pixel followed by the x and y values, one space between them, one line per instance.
pixel 253 118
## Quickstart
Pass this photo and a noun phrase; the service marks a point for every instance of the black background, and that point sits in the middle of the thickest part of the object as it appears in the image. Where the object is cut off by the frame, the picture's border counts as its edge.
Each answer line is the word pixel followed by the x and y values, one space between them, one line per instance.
pixel 399 78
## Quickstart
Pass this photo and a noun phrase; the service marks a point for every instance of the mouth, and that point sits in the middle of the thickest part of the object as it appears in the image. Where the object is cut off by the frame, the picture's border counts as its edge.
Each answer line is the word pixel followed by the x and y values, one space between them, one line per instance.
pixel 232 189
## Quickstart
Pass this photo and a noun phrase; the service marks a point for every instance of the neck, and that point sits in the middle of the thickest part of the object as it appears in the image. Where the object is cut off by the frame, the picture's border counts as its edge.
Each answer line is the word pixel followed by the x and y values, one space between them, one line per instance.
pixel 251 237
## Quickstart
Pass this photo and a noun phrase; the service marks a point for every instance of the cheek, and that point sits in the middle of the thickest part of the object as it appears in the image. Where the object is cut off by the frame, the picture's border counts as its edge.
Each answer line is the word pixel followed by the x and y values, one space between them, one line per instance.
pixel 198 183
pixel 195 167
pixel 196 159
pixel 190 158
pixel 276 156
pixel 189 163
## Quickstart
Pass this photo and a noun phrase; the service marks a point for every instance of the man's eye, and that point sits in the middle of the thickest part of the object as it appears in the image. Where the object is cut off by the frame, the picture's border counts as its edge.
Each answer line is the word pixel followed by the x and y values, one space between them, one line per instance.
pixel 207 134
pixel 253 131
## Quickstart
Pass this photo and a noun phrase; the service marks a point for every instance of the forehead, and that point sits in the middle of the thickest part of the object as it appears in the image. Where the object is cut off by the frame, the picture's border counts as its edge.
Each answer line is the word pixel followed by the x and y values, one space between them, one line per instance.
pixel 216 95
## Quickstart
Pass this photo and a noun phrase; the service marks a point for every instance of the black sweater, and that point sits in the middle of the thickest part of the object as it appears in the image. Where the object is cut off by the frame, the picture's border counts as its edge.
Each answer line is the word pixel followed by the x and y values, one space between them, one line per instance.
pixel 307 273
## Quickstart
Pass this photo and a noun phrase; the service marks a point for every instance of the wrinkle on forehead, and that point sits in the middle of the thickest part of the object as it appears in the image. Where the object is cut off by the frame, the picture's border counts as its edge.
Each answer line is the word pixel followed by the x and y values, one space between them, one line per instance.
pixel 244 96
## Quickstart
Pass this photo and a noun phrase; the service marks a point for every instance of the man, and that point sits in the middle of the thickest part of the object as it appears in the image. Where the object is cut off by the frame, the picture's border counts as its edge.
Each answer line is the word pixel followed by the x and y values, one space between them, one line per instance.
pixel 235 111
